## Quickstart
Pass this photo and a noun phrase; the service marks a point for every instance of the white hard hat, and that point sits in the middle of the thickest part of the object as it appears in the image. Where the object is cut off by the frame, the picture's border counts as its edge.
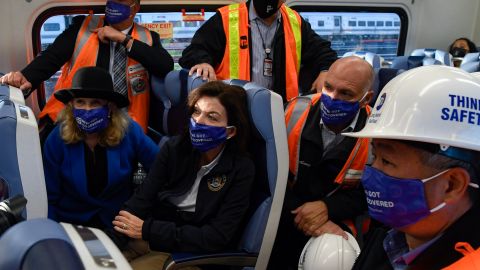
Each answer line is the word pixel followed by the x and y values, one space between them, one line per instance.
pixel 329 252
pixel 432 104
pixel 476 74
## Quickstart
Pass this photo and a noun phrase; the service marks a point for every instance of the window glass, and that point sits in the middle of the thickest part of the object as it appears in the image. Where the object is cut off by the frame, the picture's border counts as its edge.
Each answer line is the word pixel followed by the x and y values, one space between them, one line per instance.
pixel 355 31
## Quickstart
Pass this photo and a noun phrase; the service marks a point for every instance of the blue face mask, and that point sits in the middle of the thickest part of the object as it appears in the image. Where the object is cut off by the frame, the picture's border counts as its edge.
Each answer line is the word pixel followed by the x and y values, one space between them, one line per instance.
pixel 338 112
pixel 91 121
pixel 116 12
pixel 396 202
pixel 205 137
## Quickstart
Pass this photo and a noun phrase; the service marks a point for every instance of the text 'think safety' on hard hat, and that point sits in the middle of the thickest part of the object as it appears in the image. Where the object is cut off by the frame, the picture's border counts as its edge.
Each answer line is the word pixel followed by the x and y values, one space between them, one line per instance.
pixel 329 252
pixel 433 104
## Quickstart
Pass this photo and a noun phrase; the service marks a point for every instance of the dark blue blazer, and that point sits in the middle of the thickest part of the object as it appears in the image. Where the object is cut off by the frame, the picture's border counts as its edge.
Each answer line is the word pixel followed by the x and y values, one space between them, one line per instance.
pixel 66 180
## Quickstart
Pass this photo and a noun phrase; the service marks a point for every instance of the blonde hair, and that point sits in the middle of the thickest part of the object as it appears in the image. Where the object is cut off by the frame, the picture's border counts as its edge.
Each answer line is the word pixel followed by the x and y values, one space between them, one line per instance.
pixel 110 136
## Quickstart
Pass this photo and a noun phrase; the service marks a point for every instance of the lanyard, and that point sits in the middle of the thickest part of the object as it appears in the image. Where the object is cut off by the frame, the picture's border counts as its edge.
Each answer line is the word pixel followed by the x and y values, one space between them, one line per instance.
pixel 267 50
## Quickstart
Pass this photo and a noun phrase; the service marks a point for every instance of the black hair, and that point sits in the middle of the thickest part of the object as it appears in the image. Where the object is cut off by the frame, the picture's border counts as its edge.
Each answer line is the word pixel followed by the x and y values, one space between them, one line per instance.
pixel 471 46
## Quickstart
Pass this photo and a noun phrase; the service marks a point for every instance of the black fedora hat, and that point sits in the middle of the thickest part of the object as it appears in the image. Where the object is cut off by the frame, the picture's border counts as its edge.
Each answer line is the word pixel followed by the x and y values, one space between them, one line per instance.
pixel 92 82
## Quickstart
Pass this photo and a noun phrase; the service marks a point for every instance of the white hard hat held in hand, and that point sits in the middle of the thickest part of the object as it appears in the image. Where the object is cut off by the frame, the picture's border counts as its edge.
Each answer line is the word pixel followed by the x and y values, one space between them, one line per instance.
pixel 329 252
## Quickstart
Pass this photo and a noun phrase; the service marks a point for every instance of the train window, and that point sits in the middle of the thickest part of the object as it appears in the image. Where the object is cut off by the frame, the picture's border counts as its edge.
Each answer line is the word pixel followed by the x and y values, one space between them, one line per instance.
pixel 337 21
pixel 174 31
pixel 321 23
pixel 51 27
pixel 360 30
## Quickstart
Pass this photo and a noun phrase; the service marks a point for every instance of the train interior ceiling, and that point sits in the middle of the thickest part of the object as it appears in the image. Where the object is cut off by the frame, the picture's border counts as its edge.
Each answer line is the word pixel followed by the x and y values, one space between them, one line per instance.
pixel 389 28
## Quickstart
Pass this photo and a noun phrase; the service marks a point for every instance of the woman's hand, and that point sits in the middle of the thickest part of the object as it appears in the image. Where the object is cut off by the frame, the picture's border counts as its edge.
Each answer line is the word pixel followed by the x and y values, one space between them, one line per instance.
pixel 128 224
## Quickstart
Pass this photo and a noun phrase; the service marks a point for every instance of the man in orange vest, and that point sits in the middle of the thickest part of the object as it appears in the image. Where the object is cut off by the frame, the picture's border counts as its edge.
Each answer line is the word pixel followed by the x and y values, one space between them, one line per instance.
pixel 100 41
pixel 325 166
pixel 262 41
pixel 423 184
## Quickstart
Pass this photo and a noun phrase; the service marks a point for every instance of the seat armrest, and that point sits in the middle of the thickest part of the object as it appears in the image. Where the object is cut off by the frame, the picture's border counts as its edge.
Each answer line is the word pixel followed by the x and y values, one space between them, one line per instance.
pixel 179 260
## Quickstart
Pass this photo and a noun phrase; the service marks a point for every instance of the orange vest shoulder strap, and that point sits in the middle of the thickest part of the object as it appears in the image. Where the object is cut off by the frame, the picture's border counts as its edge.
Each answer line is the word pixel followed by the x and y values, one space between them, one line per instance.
pixel 470 260
pixel 352 171
pixel 296 115
pixel 292 27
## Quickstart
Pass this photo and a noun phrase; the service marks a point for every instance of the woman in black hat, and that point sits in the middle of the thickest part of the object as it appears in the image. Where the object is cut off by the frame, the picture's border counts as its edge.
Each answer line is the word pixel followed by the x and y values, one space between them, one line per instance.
pixel 90 156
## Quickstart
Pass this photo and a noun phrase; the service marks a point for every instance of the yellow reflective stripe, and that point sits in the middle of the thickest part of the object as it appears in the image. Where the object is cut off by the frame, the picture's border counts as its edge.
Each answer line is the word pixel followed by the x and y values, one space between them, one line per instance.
pixel 234 37
pixel 297 34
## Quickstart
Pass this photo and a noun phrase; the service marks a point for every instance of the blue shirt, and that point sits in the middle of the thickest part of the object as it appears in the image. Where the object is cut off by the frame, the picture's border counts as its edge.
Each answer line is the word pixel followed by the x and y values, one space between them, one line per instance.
pixel 398 252
pixel 261 33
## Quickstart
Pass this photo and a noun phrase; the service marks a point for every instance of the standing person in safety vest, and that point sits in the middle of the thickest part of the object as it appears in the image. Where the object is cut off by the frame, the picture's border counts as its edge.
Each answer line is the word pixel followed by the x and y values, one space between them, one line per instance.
pixel 262 41
pixel 424 179
pixel 130 52
pixel 325 167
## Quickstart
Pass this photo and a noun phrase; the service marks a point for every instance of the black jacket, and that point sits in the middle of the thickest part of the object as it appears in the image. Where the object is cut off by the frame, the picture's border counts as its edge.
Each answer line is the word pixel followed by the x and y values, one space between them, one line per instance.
pixel 316 175
pixel 208 46
pixel 218 214
pixel 317 172
pixel 439 255
pixel 154 58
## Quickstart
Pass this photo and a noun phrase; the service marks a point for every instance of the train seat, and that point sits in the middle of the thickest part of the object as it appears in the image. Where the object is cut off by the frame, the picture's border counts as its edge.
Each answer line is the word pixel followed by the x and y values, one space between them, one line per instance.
pixel 21 167
pixel 444 57
pixel 471 62
pixel 382 77
pixel 12 93
pixel 270 155
pixel 46 244
pixel 422 57
pixel 372 58
pixel 168 108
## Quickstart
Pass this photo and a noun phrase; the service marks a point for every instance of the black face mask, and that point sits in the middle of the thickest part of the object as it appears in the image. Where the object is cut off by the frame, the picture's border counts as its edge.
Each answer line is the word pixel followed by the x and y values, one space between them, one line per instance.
pixel 458 52
pixel 265 8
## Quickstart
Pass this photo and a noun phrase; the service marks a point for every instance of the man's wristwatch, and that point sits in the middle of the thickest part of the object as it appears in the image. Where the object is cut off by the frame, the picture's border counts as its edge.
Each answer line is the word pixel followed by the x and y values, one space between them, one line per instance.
pixel 126 40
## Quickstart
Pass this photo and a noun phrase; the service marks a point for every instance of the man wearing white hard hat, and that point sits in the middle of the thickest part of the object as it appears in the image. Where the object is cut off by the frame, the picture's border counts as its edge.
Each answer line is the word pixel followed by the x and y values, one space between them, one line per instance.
pixel 423 182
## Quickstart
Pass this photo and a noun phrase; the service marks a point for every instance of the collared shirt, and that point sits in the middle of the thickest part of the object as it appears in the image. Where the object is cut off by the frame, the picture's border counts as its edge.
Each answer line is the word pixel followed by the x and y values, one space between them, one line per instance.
pixel 398 252
pixel 260 30
pixel 187 201
pixel 331 139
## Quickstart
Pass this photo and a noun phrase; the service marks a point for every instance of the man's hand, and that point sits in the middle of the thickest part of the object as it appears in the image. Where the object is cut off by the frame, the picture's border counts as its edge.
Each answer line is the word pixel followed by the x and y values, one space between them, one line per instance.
pixel 310 216
pixel 108 33
pixel 205 70
pixel 16 79
pixel 319 81
pixel 329 227
pixel 128 224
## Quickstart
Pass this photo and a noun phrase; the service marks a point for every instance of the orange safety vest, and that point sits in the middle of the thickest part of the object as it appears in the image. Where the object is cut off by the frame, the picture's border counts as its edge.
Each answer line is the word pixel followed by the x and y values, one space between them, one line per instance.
pixel 470 261
pixel 85 54
pixel 236 60
pixel 295 116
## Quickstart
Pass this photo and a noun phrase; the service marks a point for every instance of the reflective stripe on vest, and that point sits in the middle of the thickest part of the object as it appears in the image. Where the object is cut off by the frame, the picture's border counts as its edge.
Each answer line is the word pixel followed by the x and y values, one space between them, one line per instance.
pixel 85 54
pixel 236 60
pixel 296 115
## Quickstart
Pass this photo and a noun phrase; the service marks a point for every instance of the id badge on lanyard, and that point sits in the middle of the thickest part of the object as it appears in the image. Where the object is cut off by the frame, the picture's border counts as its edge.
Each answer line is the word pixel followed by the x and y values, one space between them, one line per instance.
pixel 267 64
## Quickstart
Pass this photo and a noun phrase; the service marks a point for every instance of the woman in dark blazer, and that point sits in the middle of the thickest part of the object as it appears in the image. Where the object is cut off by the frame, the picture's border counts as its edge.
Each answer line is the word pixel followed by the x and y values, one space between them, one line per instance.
pixel 197 193
pixel 90 156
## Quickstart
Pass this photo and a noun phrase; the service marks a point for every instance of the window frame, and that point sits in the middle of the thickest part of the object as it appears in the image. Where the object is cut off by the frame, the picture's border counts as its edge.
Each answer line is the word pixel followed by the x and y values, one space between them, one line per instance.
pixel 401 12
